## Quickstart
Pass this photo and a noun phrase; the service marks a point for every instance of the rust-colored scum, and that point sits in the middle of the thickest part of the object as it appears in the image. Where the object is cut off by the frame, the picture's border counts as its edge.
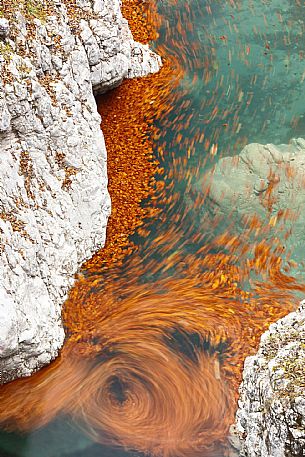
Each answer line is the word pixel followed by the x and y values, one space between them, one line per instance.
pixel 143 19
pixel 125 330
pixel 127 114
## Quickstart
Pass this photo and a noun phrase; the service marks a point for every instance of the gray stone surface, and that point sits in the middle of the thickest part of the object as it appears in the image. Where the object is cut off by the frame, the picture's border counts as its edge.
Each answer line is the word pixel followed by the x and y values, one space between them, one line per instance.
pixel 271 414
pixel 54 202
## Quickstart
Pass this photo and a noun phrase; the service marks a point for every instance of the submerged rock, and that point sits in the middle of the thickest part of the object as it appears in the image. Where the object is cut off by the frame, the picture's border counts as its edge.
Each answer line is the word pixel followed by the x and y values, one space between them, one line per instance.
pixel 266 182
pixel 54 202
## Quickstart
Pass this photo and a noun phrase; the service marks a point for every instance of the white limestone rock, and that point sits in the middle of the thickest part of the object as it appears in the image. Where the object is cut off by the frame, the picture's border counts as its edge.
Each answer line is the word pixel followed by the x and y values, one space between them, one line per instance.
pixel 112 52
pixel 5 117
pixel 54 202
pixel 271 408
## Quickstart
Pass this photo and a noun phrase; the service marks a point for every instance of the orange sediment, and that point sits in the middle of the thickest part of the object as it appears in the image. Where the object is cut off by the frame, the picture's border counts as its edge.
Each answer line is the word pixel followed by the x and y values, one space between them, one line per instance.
pixel 170 403
pixel 143 19
pixel 127 114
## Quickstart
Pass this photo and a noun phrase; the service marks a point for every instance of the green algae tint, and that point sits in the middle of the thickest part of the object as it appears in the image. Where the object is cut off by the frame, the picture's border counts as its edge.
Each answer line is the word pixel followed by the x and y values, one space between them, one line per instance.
pixel 244 72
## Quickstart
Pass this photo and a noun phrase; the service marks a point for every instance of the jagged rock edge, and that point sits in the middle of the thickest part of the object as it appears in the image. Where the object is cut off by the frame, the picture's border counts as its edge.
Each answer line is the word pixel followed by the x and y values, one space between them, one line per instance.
pixel 54 202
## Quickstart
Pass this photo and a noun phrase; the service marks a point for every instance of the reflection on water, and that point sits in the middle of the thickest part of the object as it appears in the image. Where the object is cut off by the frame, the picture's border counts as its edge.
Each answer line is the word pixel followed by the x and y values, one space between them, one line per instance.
pixel 156 346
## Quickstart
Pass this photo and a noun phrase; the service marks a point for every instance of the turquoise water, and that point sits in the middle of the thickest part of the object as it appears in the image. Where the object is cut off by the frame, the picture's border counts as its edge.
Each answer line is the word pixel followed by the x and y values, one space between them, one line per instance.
pixel 249 64
pixel 244 82
pixel 244 79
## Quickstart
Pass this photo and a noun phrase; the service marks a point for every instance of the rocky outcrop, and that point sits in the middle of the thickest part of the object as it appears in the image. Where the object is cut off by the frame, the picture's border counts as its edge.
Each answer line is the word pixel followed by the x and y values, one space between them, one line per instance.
pixel 267 182
pixel 54 202
pixel 271 414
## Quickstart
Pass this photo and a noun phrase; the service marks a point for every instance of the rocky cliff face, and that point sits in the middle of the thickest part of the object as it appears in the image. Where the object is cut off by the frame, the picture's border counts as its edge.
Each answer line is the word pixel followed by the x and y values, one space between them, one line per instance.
pixel 267 181
pixel 271 414
pixel 54 202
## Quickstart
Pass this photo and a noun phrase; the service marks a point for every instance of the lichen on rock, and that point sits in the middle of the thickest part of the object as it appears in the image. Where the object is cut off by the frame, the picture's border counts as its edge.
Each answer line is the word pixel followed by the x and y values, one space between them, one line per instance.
pixel 271 414
pixel 54 202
